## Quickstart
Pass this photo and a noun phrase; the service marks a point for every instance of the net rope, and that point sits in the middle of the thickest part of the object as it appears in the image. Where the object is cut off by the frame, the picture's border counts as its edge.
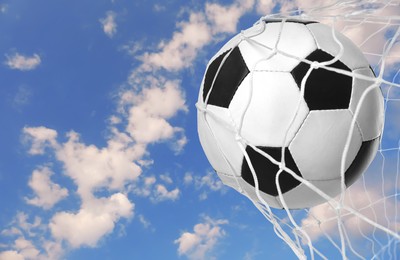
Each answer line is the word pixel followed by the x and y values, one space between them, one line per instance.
pixel 363 221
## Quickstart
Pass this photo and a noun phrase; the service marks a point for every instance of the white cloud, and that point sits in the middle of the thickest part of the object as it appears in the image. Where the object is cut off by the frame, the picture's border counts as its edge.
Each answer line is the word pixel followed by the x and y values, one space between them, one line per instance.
pixel 47 193
pixel 162 193
pixel 115 120
pixel 40 138
pixel 89 166
pixel 109 24
pixel 200 243
pixel 23 63
pixel 95 219
pixel 93 168
pixel 181 50
pixel 201 29
pixel 188 178
pixel 147 121
pixel 224 19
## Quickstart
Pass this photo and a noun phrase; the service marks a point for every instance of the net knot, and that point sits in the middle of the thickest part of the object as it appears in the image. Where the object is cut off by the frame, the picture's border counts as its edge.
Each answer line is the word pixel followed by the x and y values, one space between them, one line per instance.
pixel 201 107
pixel 238 137
pixel 282 166
pixel 242 36
pixel 315 65
pixel 274 52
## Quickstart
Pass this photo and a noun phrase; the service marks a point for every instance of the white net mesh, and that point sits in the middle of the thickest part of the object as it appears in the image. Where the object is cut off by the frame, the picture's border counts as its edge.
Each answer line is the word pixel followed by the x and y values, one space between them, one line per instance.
pixel 363 222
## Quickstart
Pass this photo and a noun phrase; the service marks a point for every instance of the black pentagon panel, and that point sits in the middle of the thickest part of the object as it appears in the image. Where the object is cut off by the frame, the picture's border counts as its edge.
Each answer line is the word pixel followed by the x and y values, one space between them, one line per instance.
pixel 210 73
pixel 278 20
pixel 230 75
pixel 266 171
pixel 324 89
pixel 361 162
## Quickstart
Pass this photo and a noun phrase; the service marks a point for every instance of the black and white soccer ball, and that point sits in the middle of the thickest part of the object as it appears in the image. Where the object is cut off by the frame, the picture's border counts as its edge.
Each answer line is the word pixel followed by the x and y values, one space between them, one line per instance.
pixel 296 86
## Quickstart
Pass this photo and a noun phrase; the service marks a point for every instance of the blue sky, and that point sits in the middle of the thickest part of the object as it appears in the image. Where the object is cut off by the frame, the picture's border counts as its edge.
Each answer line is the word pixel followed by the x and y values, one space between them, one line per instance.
pixel 99 151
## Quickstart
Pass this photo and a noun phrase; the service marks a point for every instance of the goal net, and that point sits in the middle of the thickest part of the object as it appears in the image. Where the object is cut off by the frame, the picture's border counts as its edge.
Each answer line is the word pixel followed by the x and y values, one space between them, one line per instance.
pixel 363 222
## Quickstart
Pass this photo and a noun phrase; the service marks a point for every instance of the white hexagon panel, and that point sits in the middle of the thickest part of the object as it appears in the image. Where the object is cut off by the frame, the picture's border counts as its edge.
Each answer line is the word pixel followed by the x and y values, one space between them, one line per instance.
pixel 268 108
pixel 318 146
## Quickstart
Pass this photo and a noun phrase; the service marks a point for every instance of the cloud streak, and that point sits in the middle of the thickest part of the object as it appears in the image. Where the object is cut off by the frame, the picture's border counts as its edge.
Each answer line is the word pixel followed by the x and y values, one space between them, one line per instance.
pixel 23 63
pixel 109 24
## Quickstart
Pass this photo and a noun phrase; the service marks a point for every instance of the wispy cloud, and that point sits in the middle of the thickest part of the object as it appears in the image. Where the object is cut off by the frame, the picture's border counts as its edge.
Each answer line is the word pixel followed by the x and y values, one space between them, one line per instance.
pixel 22 97
pixel 205 184
pixel 159 7
pixel 3 8
pixel 109 24
pixel 156 192
pixel 145 222
pixel 24 63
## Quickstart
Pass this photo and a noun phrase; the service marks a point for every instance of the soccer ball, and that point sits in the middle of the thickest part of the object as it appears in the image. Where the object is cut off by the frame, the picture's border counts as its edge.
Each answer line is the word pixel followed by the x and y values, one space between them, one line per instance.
pixel 289 87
